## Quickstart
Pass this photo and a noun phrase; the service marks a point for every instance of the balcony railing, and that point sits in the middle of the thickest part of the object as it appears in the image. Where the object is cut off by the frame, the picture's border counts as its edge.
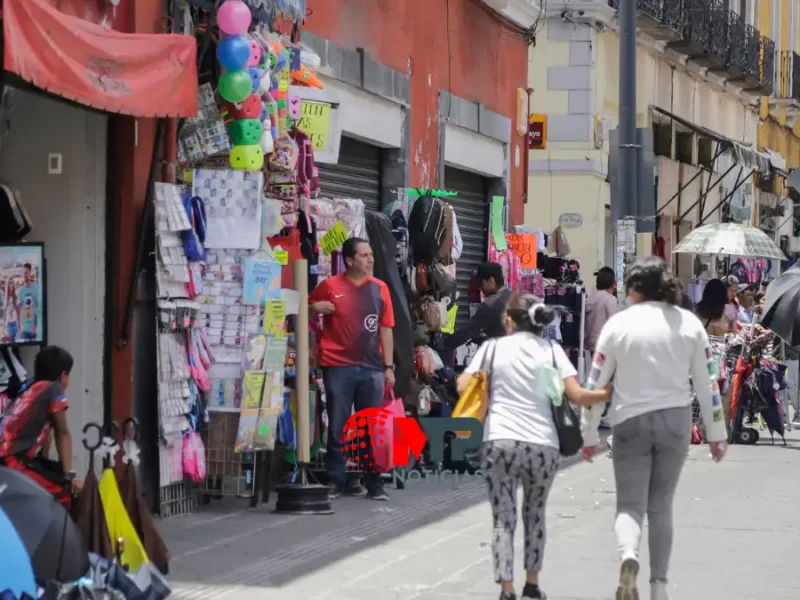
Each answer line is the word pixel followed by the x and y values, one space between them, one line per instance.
pixel 789 77
pixel 714 37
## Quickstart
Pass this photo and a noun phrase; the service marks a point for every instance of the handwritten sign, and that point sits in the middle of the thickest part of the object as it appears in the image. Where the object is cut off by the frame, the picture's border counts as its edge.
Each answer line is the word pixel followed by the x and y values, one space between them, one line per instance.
pixel 262 281
pixel 333 238
pixel 275 318
pixel 570 220
pixel 450 328
pixel 315 117
pixel 282 257
pixel 524 245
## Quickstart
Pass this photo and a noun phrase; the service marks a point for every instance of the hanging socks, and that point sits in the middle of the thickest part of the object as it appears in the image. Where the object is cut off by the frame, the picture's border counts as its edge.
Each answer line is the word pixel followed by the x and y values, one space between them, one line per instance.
pixel 533 592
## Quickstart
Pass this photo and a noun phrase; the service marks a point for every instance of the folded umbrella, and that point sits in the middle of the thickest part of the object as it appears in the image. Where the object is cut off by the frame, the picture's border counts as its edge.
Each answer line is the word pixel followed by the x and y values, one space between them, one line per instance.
pixel 53 543
pixel 87 511
pixel 782 309
pixel 16 574
pixel 142 520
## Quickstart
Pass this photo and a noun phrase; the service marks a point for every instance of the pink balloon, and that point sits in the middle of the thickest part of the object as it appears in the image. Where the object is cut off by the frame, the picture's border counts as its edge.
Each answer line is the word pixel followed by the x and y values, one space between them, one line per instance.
pixel 234 17
pixel 255 54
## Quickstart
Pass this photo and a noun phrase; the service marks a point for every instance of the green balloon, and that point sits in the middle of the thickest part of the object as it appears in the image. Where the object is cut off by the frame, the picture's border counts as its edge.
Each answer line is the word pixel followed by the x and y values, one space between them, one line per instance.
pixel 235 86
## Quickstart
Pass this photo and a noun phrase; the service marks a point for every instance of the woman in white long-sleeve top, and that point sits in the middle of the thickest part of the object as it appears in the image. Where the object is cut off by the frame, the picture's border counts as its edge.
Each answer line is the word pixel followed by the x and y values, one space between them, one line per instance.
pixel 651 350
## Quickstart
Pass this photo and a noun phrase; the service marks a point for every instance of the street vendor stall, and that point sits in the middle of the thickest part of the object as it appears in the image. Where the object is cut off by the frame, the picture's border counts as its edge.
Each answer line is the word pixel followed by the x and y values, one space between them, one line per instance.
pixel 742 353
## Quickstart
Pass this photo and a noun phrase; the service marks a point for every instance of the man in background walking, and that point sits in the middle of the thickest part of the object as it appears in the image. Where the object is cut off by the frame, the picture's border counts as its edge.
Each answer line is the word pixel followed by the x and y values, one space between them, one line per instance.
pixel 601 305
pixel 356 349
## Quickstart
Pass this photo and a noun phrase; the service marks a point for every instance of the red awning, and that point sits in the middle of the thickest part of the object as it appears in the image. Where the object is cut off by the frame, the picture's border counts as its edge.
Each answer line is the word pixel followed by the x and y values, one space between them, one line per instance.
pixel 143 75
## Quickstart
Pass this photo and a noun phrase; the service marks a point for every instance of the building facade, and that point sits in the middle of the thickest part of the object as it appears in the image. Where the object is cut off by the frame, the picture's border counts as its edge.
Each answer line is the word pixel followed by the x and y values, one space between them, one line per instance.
pixel 703 70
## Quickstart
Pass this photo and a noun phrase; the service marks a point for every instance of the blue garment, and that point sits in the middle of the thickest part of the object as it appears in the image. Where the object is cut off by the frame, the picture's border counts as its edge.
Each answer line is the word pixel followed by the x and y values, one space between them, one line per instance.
pixel 29 307
pixel 345 388
pixel 745 315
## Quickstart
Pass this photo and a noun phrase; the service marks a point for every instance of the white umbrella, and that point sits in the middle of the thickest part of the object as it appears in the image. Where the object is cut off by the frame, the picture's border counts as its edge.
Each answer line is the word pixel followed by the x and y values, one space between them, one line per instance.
pixel 729 238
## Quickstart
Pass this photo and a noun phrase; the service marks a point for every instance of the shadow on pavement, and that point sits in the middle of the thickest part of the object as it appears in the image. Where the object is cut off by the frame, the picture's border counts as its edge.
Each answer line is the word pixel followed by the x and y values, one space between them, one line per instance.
pixel 226 546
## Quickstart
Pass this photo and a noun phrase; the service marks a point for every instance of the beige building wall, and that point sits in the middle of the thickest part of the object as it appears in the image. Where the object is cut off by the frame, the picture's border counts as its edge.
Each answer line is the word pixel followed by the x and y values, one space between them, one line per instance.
pixel 574 70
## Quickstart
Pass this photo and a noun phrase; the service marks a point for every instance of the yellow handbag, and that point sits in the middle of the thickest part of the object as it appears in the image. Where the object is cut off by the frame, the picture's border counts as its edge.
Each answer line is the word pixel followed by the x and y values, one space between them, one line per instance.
pixel 474 401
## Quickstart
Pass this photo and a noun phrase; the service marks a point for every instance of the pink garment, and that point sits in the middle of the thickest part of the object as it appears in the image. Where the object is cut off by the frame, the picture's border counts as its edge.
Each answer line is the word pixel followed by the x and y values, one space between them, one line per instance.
pixel 600 306
pixel 510 263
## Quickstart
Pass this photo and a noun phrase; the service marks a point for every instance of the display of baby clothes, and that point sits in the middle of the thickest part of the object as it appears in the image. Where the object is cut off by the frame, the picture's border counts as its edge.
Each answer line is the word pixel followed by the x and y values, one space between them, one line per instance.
pixel 457 245
pixel 695 289
pixel 541 238
pixel 510 263
pixel 307 172
pixel 233 207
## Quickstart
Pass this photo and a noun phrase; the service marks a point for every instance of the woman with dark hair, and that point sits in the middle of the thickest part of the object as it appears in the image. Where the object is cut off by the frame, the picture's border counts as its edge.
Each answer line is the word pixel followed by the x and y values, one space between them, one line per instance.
pixel 711 308
pixel 652 349
pixel 520 442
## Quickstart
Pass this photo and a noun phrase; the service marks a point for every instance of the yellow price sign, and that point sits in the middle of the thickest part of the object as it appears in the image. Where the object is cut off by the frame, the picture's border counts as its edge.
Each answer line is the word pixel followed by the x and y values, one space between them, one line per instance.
pixel 275 318
pixel 450 328
pixel 315 117
pixel 282 257
pixel 333 238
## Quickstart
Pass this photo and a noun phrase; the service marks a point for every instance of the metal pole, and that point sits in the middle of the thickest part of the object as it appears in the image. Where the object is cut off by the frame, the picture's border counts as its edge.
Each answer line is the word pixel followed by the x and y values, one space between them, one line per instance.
pixel 628 153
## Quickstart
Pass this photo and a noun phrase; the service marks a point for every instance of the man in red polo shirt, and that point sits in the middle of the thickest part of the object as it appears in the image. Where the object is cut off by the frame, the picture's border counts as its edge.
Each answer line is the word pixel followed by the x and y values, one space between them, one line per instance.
pixel 355 351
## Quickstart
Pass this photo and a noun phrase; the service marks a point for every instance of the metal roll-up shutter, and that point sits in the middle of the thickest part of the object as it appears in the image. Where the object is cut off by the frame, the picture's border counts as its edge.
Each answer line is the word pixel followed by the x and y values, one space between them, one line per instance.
pixel 357 175
pixel 470 206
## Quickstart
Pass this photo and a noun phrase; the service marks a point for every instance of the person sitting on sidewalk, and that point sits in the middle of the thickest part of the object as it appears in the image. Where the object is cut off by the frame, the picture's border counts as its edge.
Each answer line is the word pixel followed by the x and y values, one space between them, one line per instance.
pixel 355 352
pixel 26 425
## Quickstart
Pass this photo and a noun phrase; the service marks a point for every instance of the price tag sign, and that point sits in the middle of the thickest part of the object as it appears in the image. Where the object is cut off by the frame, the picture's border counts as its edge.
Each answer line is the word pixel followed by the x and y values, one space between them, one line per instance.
pixel 315 118
pixel 282 257
pixel 333 238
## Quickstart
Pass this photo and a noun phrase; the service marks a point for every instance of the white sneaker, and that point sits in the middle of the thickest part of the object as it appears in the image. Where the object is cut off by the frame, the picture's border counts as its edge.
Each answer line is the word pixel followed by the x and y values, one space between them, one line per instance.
pixel 628 573
pixel 658 591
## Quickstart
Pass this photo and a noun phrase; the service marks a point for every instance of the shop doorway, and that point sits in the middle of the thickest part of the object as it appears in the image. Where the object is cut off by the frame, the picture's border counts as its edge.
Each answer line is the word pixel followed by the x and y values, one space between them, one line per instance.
pixel 357 174
pixel 471 208
pixel 54 153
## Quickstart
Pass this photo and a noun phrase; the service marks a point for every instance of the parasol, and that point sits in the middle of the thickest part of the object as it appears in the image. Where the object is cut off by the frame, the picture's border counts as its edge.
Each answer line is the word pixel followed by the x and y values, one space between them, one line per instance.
pixel 729 238
pixel 782 310
pixel 53 543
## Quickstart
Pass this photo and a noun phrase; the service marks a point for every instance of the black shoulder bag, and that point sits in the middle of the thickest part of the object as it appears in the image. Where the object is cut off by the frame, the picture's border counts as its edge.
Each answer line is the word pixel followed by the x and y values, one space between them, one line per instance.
pixel 567 421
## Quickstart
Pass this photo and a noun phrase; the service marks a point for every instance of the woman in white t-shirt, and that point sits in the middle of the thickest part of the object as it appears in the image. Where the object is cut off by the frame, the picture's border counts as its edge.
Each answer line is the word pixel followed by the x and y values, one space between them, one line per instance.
pixel 651 350
pixel 520 442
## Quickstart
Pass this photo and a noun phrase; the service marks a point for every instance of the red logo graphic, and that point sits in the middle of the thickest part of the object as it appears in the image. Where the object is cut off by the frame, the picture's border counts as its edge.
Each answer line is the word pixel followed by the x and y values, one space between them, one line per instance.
pixel 375 440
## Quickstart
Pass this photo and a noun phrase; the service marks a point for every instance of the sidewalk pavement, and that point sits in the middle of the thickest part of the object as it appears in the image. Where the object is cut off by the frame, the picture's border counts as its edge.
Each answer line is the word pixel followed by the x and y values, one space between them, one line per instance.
pixel 736 536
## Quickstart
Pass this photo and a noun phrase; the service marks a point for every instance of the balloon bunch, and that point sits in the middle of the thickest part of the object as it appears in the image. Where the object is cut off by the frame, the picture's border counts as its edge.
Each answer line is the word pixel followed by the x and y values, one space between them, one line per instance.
pixel 240 83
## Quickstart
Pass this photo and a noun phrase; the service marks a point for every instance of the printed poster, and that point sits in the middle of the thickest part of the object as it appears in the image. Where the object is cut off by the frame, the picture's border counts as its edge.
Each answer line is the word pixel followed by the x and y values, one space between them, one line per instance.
pixel 22 306
pixel 262 281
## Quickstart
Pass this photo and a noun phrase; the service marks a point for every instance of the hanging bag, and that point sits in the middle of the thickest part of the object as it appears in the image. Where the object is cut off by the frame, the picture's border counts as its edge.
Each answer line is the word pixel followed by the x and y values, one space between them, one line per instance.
pixel 474 402
pixel 194 458
pixel 566 419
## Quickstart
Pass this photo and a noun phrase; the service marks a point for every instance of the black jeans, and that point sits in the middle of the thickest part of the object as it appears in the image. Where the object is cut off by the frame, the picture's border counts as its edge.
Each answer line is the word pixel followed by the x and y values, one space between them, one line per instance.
pixel 345 388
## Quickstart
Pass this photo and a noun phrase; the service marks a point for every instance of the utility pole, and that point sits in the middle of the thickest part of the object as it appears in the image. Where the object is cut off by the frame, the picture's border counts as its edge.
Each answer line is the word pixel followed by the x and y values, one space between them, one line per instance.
pixel 628 147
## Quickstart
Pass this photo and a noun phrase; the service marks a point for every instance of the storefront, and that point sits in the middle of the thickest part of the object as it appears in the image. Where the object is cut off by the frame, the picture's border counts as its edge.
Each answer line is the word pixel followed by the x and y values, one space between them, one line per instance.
pixel 57 162
pixel 62 187
pixel 357 174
